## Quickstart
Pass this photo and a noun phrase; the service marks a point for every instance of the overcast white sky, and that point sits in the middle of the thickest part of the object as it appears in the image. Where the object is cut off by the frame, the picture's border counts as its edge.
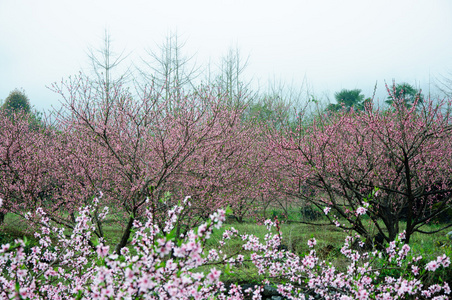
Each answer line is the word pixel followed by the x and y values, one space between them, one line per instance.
pixel 333 44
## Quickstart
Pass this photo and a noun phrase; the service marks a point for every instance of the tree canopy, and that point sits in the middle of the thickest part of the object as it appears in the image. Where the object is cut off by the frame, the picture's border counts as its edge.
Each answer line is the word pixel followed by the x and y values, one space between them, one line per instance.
pixel 17 101
pixel 348 99
pixel 404 153
pixel 407 94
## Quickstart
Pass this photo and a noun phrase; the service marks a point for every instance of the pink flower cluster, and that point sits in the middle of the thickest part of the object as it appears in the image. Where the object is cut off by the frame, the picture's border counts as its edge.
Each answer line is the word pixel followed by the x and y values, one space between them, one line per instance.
pixel 159 265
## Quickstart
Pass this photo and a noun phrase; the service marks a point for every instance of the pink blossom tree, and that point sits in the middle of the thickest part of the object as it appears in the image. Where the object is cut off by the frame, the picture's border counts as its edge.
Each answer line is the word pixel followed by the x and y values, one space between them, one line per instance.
pixel 344 157
pixel 136 148
pixel 26 168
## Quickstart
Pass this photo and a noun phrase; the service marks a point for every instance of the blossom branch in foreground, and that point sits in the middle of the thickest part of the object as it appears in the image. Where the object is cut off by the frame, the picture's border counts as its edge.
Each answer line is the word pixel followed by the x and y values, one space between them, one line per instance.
pixel 159 265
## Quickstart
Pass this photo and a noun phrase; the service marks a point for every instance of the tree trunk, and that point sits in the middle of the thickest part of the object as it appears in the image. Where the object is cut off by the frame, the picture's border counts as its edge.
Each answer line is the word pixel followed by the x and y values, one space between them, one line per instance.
pixel 125 236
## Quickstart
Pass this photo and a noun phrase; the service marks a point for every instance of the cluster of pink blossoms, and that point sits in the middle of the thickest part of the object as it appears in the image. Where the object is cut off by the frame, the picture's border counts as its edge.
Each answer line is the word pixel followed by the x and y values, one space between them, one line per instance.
pixel 159 265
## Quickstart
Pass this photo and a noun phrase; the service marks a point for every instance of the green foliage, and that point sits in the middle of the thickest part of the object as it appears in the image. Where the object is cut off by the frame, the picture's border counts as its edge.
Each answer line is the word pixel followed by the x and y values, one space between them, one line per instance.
pixel 407 93
pixel 271 110
pixel 35 121
pixel 334 107
pixel 17 101
pixel 279 214
pixel 6 237
pixel 348 99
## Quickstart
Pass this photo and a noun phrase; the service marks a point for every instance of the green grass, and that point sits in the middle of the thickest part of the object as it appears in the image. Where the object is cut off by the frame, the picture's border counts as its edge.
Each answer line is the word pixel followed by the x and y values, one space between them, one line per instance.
pixel 14 227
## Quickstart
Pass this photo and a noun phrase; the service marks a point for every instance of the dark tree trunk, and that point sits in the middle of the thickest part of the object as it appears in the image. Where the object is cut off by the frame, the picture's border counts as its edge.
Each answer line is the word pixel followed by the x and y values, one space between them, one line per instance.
pixel 125 236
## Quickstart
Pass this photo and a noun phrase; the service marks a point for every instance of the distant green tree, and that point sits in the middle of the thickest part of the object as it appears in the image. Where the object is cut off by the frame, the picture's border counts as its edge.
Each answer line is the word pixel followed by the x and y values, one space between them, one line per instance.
pixel 348 99
pixel 17 101
pixel 272 110
pixel 334 107
pixel 407 93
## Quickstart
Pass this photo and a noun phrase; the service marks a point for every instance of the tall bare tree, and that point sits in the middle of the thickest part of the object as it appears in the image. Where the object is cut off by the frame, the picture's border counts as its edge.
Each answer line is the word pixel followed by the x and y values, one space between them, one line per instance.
pixel 168 67
pixel 231 78
pixel 105 66
pixel 444 84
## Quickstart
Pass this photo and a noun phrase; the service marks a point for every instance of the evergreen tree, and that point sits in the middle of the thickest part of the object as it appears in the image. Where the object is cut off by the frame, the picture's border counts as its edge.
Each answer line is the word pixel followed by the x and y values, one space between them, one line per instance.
pixel 17 101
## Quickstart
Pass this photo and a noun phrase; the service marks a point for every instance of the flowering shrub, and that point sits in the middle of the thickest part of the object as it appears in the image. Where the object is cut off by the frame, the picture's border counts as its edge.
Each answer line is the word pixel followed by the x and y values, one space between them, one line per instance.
pixel 161 265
